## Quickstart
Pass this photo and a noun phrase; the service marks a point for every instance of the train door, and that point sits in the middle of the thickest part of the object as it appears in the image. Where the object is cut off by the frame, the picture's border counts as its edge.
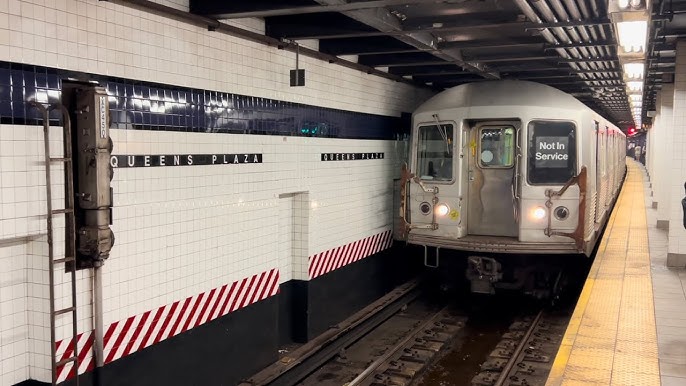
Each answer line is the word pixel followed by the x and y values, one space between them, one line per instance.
pixel 492 186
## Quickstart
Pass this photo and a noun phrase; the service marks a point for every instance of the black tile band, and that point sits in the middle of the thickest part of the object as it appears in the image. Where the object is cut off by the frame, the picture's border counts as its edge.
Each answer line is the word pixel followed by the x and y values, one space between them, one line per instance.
pixel 351 156
pixel 138 161
pixel 137 105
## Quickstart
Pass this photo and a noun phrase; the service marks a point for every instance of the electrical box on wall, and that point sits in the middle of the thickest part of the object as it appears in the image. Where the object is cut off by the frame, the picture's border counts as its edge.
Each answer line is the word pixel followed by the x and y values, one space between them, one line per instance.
pixel 297 77
pixel 93 148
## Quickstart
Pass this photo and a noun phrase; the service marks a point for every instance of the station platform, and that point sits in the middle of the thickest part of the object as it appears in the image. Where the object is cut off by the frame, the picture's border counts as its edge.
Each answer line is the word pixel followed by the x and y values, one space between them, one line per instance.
pixel 629 325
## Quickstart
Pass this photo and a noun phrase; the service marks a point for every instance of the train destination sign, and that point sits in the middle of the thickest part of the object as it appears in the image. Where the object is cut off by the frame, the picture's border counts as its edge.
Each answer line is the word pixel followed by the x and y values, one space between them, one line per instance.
pixel 552 152
pixel 351 156
pixel 141 161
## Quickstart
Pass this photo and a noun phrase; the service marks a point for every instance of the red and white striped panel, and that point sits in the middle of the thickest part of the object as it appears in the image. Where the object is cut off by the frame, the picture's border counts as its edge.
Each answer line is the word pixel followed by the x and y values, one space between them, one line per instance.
pixel 140 331
pixel 327 261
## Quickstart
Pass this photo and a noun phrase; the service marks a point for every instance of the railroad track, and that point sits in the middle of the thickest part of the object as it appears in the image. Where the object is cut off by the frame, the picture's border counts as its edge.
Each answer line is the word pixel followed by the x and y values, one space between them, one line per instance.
pixel 387 343
pixel 396 340
pixel 524 355
pixel 402 363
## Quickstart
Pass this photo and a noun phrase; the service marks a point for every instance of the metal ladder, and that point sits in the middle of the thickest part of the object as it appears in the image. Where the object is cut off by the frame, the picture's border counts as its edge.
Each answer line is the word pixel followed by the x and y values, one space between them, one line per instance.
pixel 70 236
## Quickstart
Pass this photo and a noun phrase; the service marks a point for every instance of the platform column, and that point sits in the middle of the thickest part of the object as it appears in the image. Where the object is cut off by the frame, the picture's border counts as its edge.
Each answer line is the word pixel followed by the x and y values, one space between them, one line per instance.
pixel 662 155
pixel 651 138
pixel 676 256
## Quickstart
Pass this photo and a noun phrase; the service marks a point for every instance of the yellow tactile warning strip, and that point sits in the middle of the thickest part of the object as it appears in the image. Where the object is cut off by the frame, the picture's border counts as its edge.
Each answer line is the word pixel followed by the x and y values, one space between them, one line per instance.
pixel 611 338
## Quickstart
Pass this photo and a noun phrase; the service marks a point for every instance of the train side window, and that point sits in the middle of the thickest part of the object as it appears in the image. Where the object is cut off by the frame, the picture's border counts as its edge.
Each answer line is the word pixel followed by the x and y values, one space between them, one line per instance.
pixel 552 152
pixel 435 153
pixel 496 147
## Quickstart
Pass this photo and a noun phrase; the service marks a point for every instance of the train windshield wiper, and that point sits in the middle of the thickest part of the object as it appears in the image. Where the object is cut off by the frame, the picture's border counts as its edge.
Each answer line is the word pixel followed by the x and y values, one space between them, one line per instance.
pixel 442 129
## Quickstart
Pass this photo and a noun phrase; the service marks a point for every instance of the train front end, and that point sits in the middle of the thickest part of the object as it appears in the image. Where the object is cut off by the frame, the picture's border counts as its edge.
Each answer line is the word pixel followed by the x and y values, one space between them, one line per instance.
pixel 499 183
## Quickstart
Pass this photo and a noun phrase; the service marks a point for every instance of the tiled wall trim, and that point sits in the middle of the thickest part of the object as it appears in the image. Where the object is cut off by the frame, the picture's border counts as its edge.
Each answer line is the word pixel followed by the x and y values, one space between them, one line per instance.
pixel 151 106
pixel 137 332
pixel 334 258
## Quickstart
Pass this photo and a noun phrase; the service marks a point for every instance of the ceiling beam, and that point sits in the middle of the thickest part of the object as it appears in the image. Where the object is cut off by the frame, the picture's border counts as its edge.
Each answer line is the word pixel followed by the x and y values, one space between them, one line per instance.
pixel 410 64
pixel 510 58
pixel 403 32
pixel 579 45
pixel 301 10
pixel 528 41
pixel 588 60
pixel 385 22
pixel 566 24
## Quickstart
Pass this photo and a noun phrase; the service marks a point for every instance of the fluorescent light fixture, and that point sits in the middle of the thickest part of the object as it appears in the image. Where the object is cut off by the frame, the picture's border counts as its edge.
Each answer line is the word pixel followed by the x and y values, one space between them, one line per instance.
pixel 635 86
pixel 634 70
pixel 634 3
pixel 623 4
pixel 632 35
pixel 636 98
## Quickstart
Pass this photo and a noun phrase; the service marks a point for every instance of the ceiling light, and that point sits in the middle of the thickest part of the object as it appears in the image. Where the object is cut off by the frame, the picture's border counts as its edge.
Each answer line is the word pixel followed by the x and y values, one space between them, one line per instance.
pixel 632 35
pixel 635 86
pixel 623 4
pixel 634 3
pixel 634 70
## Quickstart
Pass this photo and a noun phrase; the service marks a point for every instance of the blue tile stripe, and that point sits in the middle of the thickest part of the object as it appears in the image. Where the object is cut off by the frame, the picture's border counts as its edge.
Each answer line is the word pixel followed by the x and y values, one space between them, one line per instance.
pixel 137 105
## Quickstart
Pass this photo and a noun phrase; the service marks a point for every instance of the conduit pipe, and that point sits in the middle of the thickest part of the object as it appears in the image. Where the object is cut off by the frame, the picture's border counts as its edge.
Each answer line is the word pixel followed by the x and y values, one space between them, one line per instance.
pixel 549 16
pixel 583 33
pixel 561 34
pixel 98 345
pixel 595 35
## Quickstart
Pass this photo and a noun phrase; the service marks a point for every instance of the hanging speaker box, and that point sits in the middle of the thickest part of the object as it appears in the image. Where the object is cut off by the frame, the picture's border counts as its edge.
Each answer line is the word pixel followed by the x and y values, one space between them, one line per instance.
pixel 297 78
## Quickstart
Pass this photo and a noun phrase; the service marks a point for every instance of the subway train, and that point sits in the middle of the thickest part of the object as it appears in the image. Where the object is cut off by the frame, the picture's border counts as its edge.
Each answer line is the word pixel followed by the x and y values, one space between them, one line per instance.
pixel 512 174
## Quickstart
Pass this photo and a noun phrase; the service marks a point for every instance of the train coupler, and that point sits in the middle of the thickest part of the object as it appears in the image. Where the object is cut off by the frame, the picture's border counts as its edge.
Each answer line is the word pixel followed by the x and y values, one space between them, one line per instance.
pixel 483 273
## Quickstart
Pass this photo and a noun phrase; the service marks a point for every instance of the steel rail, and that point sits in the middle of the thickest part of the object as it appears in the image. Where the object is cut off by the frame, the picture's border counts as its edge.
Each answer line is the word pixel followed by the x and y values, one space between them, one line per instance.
pixel 515 355
pixel 381 360
pixel 306 359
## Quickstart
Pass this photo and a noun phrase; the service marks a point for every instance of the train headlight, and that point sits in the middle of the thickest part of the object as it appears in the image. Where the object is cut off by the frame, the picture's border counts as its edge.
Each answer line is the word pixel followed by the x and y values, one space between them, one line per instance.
pixel 561 213
pixel 442 209
pixel 425 208
pixel 538 213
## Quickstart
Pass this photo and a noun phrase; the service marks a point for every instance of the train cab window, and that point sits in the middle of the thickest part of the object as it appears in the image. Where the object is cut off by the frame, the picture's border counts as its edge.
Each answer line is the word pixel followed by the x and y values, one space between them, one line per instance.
pixel 496 147
pixel 435 153
pixel 552 152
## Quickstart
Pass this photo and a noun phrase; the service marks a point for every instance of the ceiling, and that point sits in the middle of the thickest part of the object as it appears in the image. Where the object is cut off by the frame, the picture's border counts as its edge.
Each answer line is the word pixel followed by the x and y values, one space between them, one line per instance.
pixel 567 44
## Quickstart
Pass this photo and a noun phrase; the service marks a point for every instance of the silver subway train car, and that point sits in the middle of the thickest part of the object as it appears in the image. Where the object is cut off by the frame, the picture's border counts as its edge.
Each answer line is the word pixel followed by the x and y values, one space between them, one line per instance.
pixel 505 169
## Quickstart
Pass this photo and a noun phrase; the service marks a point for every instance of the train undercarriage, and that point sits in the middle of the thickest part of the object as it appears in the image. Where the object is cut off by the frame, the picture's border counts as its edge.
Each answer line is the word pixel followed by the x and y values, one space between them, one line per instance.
pixel 538 275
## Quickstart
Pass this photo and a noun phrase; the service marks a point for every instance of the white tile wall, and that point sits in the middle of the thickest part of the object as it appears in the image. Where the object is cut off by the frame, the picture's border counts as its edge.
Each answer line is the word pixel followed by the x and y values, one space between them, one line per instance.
pixel 677 176
pixel 106 38
pixel 662 154
pixel 184 230
pixel 180 230
pixel 14 328
pixel 285 247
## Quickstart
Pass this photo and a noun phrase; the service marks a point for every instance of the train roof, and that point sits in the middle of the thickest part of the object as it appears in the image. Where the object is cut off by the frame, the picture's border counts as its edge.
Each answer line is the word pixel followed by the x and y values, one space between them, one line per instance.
pixel 501 93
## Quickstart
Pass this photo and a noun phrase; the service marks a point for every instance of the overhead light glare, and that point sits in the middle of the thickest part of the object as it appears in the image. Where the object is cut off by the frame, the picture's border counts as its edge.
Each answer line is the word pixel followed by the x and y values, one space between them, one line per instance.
pixel 634 70
pixel 632 35
pixel 623 4
pixel 635 86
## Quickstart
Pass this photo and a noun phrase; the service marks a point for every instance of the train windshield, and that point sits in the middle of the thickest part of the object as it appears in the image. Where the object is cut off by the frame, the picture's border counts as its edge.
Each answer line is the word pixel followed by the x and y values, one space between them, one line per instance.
pixel 496 147
pixel 552 152
pixel 434 152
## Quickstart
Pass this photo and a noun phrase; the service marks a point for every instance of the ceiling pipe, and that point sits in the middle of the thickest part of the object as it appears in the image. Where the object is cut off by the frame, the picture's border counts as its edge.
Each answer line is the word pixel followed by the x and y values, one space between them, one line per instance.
pixel 597 32
pixel 384 21
pixel 547 13
pixel 561 13
pixel 574 13
pixel 596 11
